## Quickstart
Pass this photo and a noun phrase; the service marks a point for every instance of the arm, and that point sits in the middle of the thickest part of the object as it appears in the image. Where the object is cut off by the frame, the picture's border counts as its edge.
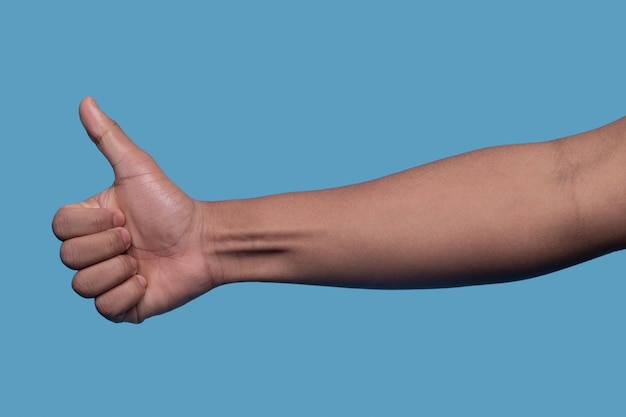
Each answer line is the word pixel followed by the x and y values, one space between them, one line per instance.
pixel 492 215
pixel 142 247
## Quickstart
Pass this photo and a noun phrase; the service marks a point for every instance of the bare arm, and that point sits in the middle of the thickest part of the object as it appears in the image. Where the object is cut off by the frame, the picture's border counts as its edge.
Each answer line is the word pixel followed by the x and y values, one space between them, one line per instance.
pixel 493 215
pixel 142 247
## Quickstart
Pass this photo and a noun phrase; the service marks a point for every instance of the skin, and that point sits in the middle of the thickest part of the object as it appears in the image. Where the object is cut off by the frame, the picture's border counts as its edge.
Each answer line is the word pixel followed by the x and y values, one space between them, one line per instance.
pixel 142 247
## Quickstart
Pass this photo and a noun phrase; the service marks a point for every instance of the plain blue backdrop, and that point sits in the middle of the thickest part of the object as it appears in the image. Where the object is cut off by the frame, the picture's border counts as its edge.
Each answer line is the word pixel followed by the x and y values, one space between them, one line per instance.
pixel 246 98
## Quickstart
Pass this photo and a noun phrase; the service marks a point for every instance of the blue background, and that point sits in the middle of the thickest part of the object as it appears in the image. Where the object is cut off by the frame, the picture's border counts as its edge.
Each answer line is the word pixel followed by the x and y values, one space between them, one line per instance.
pixel 239 99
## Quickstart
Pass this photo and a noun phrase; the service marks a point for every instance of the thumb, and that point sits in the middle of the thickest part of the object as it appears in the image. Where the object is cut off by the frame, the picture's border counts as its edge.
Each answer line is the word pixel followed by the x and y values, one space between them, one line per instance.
pixel 104 132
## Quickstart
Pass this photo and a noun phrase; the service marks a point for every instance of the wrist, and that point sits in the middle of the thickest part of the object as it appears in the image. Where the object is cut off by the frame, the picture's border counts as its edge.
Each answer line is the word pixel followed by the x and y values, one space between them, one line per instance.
pixel 211 222
pixel 245 240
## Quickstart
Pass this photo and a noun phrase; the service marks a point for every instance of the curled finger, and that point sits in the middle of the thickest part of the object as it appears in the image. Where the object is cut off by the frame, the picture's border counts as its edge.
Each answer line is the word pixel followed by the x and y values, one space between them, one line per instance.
pixel 119 303
pixel 74 221
pixel 81 252
pixel 103 276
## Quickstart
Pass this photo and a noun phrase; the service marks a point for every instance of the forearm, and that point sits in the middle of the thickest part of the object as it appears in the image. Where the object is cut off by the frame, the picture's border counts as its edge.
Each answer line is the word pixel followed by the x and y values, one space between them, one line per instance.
pixel 493 215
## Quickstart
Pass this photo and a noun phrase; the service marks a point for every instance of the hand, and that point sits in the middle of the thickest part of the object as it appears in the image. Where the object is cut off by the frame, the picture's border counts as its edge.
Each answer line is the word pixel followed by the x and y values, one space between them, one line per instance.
pixel 138 245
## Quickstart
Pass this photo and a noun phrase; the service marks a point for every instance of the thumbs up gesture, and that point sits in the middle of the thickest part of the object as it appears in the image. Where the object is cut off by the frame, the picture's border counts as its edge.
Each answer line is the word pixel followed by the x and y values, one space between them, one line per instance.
pixel 138 245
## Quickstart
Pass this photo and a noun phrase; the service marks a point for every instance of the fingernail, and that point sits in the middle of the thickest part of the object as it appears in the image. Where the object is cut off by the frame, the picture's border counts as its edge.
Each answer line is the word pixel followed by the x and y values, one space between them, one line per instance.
pixel 142 281
pixel 125 237
pixel 118 219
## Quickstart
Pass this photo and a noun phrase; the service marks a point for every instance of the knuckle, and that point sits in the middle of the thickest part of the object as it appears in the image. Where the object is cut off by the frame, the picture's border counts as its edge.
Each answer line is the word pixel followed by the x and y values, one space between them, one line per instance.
pixel 115 240
pixel 112 240
pixel 81 286
pixel 60 224
pixel 69 257
pixel 98 223
pixel 125 266
pixel 107 307
pixel 109 130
